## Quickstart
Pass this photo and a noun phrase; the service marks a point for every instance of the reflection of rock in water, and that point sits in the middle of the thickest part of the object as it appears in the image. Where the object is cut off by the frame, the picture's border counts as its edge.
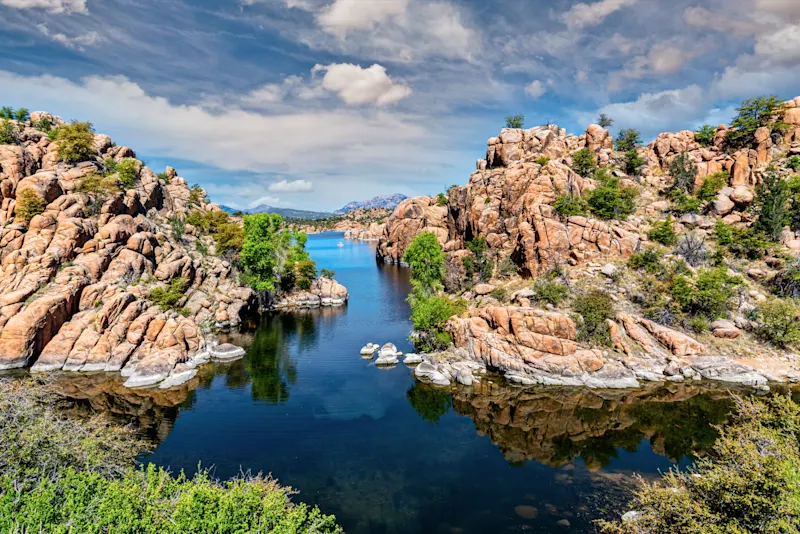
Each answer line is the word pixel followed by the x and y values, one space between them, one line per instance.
pixel 152 410
pixel 556 425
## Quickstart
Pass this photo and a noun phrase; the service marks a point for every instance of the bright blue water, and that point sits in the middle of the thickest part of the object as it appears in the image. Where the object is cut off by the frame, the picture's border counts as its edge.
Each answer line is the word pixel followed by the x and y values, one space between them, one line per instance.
pixel 386 455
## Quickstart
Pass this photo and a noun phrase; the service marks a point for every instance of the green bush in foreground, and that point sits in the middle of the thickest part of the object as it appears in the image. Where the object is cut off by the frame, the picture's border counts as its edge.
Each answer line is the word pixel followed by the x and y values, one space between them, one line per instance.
pixel 778 322
pixel 571 205
pixel 663 232
pixel 59 475
pixel 168 297
pixel 550 291
pixel 595 308
pixel 751 484
pixel 29 204
pixel 75 141
pixel 430 316
pixel 609 200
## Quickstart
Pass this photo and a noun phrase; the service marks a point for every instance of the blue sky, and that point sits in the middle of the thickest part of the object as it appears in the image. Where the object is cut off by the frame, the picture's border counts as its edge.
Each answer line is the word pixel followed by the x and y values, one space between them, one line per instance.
pixel 314 103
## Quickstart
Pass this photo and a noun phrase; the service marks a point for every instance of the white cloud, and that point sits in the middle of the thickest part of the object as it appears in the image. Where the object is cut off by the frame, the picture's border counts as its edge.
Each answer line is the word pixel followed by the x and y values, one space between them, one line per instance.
pixel 582 15
pixel 535 89
pixel 268 201
pixel 355 85
pixel 264 96
pixel 52 6
pixel 662 60
pixel 346 15
pixel 296 186
pixel 781 46
pixel 79 42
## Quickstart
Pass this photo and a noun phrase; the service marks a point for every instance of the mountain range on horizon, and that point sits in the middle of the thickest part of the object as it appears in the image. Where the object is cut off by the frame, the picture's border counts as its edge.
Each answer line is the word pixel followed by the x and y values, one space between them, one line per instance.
pixel 381 201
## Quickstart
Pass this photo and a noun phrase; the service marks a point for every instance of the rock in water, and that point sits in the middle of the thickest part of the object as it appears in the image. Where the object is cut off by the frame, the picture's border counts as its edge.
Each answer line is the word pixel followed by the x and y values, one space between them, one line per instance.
pixel 426 371
pixel 226 352
pixel 388 355
pixel 412 359
pixel 369 349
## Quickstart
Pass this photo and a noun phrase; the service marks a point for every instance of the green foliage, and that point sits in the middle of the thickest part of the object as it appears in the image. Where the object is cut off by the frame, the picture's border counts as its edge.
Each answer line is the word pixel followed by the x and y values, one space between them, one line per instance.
pixel 441 199
pixel 723 233
pixel 229 238
pixel 43 124
pixel 571 205
pixel 426 259
pixel 750 484
pixel 604 120
pixel 793 163
pixel 168 296
pixel 786 283
pixel 96 185
pixel 162 176
pixel 430 315
pixel 746 242
pixel 705 135
pixel 778 322
pixel 542 160
pixel 628 139
pixel 595 308
pixel 712 185
pixel 648 260
pixel 609 200
pixel 431 403
pixel 20 115
pixel 507 268
pixel 228 235
pixel 479 264
pixel 515 121
pixel 327 273
pixel 201 247
pixel 754 114
pixel 584 162
pixel 196 194
pixel 699 324
pixel 75 141
pixel 771 204
pixel 708 295
pixel 683 203
pixel 693 249
pixel 177 227
pixel 29 204
pixel 683 172
pixel 663 232
pixel 128 171
pixel 8 132
pixel 633 162
pixel 550 291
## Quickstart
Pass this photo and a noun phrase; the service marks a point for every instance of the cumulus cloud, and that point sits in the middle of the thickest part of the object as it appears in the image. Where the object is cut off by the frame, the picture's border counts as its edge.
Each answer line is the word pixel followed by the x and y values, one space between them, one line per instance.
pixel 355 85
pixel 583 15
pixel 662 60
pixel 78 42
pixel 52 6
pixel 346 15
pixel 535 89
pixel 296 186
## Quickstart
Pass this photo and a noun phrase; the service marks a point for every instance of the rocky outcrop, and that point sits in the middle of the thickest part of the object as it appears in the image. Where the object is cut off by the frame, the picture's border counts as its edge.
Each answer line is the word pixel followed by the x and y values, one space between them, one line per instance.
pixel 75 279
pixel 323 292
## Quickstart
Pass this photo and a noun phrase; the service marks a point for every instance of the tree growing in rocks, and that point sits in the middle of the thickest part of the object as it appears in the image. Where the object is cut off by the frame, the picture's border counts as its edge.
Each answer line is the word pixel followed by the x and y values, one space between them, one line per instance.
pixel 426 259
pixel 515 121
pixel 683 172
pixel 772 199
pixel 29 205
pixel 75 141
pixel 604 120
pixel 753 114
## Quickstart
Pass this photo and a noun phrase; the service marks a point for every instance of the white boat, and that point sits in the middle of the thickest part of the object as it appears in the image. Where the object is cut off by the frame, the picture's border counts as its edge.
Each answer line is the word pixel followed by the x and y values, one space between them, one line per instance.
pixel 340 244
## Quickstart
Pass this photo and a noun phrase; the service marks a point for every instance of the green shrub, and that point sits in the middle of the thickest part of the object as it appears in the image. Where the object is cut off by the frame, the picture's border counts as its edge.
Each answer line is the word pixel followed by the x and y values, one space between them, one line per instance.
pixel 712 184
pixel 705 135
pixel 128 171
pixel 609 200
pixel 97 185
pixel 196 194
pixel 633 162
pixel 778 322
pixel 162 176
pixel 723 233
pixel 327 273
pixel 507 268
pixel 708 295
pixel 793 163
pixel 500 293
pixel 29 204
pixel 167 297
pixel 441 199
pixel 751 115
pixel 201 247
pixel 595 308
pixel 649 260
pixel 699 324
pixel 786 283
pixel 43 124
pixel 20 115
pixel 542 160
pixel 683 203
pixel 681 290
pixel 8 133
pixel 229 238
pixel 683 172
pixel 177 227
pixel 479 264
pixel 584 162
pixel 628 139
pixel 515 121
pixel 75 141
pixel 571 205
pixel 426 259
pixel 430 316
pixel 772 205
pixel 748 243
pixel 305 273
pixel 750 483
pixel 550 291
pixel 663 232
pixel 604 120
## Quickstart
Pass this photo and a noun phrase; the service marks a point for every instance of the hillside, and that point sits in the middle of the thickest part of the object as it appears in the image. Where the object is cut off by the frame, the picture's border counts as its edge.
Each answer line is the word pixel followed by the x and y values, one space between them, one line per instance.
pixel 388 202
pixel 572 261
pixel 286 213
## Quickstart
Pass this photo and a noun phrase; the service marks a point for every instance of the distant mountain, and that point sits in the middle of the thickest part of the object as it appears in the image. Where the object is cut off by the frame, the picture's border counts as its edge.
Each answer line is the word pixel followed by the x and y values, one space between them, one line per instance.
pixel 286 213
pixel 384 201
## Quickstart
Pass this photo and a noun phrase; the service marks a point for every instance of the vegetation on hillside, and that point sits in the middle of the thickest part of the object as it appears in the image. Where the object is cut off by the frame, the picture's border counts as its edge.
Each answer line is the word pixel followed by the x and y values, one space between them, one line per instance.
pixel 75 141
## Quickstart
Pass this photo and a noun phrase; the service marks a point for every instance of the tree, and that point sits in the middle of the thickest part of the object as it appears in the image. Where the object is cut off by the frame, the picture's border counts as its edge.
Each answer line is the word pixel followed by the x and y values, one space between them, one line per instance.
pixel 29 204
pixel 771 203
pixel 604 120
pixel 22 115
pixel 628 139
pixel 479 263
pixel 584 162
pixel 426 259
pixel 515 121
pixel 753 114
pixel 75 141
pixel 8 132
pixel 683 172
pixel 705 135
pixel 609 200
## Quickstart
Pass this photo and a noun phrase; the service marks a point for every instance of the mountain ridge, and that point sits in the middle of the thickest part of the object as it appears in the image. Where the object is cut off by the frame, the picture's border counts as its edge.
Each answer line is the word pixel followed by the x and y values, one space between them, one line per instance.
pixel 381 201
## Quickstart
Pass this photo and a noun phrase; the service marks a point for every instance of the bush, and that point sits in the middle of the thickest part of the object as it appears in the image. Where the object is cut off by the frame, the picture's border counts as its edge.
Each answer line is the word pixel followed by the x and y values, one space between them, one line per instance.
pixel 327 273
pixel 162 176
pixel 479 264
pixel 94 184
pixel 683 172
pixel 8 133
pixel 229 238
pixel 748 485
pixel 604 120
pixel 426 259
pixel 128 171
pixel 712 185
pixel 167 297
pixel 649 260
pixel 778 322
pixel 628 139
pixel 550 291
pixel 177 227
pixel 749 243
pixel 507 268
pixel 708 295
pixel 786 283
pixel 633 162
pixel 196 194
pixel 609 200
pixel 595 308
pixel 201 247
pixel 29 204
pixel 441 199
pixel 793 163
pixel 584 162
pixel 699 324
pixel 693 249
pixel 683 203
pixel 771 204
pixel 723 233
pixel 20 115
pixel 542 160
pixel 515 121
pixel 571 205
pixel 705 135
pixel 430 316
pixel 752 115
pixel 75 141
pixel 43 124
pixel 663 232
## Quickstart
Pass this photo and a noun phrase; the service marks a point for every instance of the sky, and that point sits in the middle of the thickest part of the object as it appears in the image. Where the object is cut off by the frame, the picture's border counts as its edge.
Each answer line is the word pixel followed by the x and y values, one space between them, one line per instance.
pixel 311 104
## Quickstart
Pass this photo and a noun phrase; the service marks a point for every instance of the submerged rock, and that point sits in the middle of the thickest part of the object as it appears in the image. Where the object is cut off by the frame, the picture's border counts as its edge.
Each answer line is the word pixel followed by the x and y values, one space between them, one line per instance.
pixel 388 355
pixel 226 352
pixel 370 349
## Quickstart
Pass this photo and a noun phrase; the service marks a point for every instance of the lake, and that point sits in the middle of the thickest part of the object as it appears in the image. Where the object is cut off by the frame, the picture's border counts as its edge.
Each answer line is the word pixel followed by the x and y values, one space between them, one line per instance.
pixel 388 455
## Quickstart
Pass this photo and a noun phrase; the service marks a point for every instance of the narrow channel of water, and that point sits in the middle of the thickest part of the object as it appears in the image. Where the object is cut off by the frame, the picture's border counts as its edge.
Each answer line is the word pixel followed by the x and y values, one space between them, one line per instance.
pixel 387 455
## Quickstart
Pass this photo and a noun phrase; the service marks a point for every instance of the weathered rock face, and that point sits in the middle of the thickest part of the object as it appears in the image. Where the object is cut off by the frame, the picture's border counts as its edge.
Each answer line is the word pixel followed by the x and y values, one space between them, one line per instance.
pixel 75 279
pixel 323 292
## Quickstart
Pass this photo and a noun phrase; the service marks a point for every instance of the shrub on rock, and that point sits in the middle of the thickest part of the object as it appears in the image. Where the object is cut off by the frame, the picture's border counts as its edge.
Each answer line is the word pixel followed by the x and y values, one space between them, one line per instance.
pixel 29 204
pixel 75 141
pixel 595 308
pixel 611 201
pixel 584 162
pixel 779 322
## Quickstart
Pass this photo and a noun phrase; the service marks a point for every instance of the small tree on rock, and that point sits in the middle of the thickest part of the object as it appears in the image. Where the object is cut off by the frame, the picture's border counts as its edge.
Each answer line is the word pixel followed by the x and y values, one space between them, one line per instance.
pixel 75 142
pixel 604 120
pixel 426 259
pixel 515 121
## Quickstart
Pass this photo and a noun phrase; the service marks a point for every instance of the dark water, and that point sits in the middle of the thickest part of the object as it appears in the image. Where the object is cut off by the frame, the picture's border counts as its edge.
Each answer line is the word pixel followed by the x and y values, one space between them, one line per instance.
pixel 385 454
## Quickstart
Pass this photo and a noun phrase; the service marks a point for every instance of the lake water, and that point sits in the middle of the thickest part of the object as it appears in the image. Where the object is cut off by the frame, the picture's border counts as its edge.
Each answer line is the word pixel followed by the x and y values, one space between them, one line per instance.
pixel 388 455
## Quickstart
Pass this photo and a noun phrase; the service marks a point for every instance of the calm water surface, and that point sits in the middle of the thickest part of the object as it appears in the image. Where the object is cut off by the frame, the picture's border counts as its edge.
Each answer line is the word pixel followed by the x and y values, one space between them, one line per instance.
pixel 385 454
